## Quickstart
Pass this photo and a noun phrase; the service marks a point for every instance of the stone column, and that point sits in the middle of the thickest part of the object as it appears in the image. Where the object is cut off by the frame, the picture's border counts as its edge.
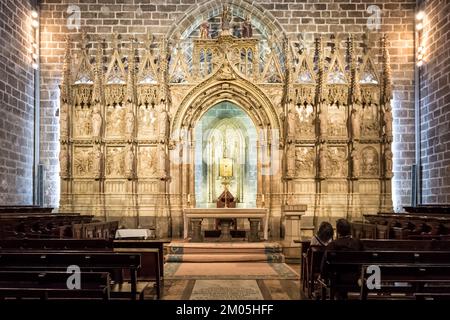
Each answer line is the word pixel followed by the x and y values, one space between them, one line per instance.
pixel 293 216
pixel 254 230
pixel 197 230
pixel 225 234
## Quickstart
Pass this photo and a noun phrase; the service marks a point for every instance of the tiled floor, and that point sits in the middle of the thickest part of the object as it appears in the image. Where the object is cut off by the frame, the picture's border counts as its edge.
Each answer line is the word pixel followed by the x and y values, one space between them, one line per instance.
pixel 269 289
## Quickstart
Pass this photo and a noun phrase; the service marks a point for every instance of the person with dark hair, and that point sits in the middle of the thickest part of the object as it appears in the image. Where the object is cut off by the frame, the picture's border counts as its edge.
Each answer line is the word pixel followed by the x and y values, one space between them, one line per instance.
pixel 343 242
pixel 324 235
pixel 344 239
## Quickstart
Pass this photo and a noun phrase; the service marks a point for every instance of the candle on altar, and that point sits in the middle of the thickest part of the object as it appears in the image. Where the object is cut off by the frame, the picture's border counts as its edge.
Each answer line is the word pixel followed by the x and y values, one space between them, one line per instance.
pixel 189 198
pixel 262 198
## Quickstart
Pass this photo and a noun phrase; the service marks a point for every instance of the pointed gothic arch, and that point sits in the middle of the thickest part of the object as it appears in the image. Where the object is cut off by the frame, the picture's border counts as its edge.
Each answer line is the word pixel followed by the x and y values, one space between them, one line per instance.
pixel 262 19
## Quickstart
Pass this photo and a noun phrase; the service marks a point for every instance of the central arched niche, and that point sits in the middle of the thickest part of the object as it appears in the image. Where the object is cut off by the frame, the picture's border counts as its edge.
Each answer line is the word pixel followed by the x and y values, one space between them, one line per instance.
pixel 225 130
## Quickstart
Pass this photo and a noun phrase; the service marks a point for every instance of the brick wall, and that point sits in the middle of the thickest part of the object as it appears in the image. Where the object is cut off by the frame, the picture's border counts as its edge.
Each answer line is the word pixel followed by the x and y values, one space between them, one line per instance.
pixel 16 103
pixel 309 16
pixel 435 108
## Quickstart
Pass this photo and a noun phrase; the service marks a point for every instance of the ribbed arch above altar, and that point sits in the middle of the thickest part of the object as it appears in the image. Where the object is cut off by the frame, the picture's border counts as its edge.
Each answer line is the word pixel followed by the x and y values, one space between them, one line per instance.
pixel 262 20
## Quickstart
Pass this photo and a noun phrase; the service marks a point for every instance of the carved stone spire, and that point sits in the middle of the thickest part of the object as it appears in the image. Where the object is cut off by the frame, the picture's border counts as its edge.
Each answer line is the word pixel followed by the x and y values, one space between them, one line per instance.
pixel 165 54
pixel 149 41
pixel 84 41
pixel 387 72
pixel 320 69
pixel 66 75
pixel 115 41
pixel 98 75
pixel 355 90
pixel 130 96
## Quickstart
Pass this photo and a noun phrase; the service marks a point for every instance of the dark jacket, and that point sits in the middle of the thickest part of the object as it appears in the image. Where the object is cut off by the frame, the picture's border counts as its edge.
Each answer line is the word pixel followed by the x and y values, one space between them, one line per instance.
pixel 340 244
pixel 345 244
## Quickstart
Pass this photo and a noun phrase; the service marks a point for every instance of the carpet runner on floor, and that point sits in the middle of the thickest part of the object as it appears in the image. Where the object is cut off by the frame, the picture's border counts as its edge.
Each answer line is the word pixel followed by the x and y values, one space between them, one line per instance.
pixel 229 271
pixel 224 252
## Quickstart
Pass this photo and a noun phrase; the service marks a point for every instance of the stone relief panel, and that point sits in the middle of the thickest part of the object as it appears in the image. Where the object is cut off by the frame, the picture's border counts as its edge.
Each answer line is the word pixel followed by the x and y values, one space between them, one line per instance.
pixel 147 123
pixel 305 158
pixel 82 122
pixel 83 162
pixel 145 163
pixel 370 122
pixel 148 161
pixel 306 121
pixel 115 162
pixel 64 161
pixel 63 121
pixel 115 116
pixel 337 121
pixel 370 162
pixel 337 162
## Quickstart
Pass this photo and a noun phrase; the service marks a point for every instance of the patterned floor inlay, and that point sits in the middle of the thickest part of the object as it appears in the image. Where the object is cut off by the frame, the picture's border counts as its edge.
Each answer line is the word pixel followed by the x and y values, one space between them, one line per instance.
pixel 226 290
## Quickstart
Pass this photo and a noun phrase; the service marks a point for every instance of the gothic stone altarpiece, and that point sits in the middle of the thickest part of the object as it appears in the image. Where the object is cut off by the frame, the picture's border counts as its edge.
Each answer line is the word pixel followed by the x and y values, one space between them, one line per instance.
pixel 323 117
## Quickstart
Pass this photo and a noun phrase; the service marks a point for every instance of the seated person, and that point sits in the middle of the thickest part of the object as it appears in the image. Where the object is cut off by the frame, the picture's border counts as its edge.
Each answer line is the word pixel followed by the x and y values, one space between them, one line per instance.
pixel 324 235
pixel 344 239
pixel 344 242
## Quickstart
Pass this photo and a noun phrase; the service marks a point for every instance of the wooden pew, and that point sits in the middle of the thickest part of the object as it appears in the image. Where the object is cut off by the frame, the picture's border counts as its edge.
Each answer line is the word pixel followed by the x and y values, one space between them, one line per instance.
pixel 390 225
pixel 48 225
pixel 56 244
pixel 53 285
pixel 151 251
pixel 25 210
pixel 417 281
pixel 98 229
pixel 313 258
pixel 147 244
pixel 408 245
pixel 59 261
pixel 149 258
pixel 343 268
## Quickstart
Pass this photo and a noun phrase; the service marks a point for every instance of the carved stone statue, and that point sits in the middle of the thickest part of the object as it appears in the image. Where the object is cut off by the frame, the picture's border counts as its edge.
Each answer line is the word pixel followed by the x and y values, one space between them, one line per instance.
pixel 356 163
pixel 204 30
pixel 163 119
pixel 370 162
pixel 356 124
pixel 290 160
pixel 96 161
pixel 115 162
pixel 129 124
pixel 247 31
pixel 323 153
pixel 63 120
pixel 304 162
pixel 96 123
pixel 323 120
pixel 129 162
pixel 387 122
pixel 226 20
pixel 388 156
pixel 292 124
pixel 64 161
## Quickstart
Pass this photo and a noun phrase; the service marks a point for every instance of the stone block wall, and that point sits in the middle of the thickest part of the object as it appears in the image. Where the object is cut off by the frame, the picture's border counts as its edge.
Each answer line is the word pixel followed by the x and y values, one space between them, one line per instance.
pixel 311 17
pixel 435 104
pixel 16 103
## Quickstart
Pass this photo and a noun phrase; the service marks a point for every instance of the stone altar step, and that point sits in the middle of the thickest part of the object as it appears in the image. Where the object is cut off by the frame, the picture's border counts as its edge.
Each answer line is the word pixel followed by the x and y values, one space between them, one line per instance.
pixel 273 257
pixel 224 252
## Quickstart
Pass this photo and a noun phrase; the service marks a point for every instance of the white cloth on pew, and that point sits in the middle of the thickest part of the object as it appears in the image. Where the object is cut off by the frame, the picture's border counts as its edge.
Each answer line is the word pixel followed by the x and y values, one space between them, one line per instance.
pixel 132 233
